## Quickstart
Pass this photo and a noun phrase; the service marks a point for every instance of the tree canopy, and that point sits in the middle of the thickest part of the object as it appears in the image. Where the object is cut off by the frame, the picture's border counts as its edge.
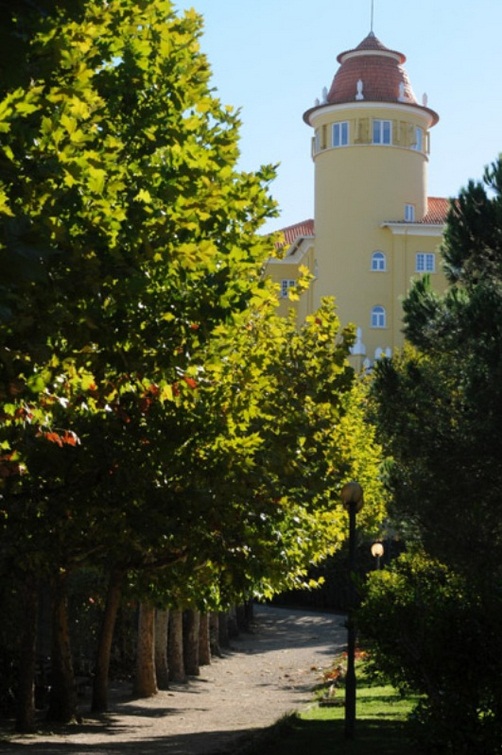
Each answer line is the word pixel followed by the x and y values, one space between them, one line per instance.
pixel 158 418
pixel 127 224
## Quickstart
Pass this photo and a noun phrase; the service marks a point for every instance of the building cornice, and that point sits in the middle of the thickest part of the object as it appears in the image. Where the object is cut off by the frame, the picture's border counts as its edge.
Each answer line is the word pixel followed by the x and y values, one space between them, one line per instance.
pixel 424 113
pixel 414 229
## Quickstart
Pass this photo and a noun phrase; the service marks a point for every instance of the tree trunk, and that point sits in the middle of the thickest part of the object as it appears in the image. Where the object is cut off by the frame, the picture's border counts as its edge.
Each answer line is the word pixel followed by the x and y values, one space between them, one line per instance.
pixel 161 639
pixel 63 696
pixel 145 681
pixel 191 626
pixel 223 633
pixel 214 634
pixel 175 646
pixel 101 672
pixel 25 719
pixel 204 644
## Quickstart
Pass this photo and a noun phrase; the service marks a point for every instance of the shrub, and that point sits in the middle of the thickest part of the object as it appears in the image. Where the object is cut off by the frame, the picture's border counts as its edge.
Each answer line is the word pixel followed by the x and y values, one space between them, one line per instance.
pixel 428 631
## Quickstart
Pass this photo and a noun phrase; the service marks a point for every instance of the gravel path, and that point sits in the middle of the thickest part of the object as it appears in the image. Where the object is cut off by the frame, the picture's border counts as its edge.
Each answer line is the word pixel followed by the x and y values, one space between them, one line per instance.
pixel 265 675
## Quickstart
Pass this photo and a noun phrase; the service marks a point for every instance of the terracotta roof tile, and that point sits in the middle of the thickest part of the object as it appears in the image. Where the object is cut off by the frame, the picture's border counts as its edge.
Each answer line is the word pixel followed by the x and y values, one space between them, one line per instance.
pixel 371 42
pixel 381 79
pixel 371 72
pixel 437 213
pixel 380 69
pixel 298 230
pixel 437 210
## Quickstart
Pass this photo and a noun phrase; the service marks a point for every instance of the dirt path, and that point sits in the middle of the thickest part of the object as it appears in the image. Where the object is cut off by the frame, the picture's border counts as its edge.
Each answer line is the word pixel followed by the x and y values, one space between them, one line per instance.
pixel 265 675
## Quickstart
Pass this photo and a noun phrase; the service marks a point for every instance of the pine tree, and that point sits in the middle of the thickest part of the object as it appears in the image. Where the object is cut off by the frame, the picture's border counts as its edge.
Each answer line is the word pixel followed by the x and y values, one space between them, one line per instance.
pixel 438 409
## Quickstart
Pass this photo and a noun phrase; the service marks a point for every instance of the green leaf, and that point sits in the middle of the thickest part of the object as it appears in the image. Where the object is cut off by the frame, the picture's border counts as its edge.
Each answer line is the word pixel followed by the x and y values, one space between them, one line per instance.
pixel 143 195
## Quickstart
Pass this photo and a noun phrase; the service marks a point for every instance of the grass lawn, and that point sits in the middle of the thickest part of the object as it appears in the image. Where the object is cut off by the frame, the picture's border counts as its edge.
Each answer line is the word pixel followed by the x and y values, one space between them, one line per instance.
pixel 381 727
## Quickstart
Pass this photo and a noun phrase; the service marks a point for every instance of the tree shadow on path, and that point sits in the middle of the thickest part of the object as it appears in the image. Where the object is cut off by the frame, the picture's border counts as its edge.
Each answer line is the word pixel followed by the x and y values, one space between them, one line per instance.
pixel 264 675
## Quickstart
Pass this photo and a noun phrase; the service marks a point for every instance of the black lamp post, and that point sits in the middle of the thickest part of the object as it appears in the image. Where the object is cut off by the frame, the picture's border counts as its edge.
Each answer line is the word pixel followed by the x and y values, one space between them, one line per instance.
pixel 352 498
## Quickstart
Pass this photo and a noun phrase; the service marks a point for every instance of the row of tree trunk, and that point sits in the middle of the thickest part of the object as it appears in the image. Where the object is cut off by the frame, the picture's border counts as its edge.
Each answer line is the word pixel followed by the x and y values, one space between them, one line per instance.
pixel 172 645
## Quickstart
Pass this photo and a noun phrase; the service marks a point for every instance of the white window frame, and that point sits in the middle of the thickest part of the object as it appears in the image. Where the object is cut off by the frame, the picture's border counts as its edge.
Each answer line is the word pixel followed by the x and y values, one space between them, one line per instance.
pixel 286 284
pixel 382 131
pixel 378 262
pixel 378 317
pixel 425 262
pixel 340 134
pixel 409 213
pixel 419 139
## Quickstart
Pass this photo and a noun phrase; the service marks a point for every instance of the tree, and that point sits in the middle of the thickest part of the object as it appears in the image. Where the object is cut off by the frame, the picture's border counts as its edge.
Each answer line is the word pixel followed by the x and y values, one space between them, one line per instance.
pixel 161 640
pixel 453 378
pixel 145 680
pixel 438 406
pixel 144 428
pixel 126 223
pixel 427 633
pixel 250 491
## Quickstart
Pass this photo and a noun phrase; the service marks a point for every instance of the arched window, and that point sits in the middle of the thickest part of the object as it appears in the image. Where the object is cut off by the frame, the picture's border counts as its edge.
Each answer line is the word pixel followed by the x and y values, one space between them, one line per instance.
pixel 378 262
pixel 378 317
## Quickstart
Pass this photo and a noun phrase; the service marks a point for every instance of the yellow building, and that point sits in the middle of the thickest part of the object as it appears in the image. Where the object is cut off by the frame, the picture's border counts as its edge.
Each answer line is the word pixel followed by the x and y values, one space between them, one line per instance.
pixel 375 228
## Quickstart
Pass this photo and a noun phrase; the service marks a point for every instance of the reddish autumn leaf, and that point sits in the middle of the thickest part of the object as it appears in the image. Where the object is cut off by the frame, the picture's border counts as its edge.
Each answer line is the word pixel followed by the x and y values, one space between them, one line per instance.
pixel 144 405
pixel 58 440
pixel 70 438
pixel 190 382
pixel 53 438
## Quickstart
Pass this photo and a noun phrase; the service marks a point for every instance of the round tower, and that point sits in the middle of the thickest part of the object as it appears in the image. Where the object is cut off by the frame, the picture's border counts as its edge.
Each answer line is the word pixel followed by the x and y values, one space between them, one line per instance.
pixel 370 149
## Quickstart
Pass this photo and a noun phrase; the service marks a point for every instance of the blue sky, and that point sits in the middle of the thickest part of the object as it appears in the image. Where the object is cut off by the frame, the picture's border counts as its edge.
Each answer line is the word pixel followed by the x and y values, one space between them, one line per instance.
pixel 272 58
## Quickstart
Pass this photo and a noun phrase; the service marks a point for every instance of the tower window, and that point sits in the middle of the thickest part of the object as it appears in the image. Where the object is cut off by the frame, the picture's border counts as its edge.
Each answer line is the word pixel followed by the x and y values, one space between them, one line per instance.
pixel 409 213
pixel 340 134
pixel 418 144
pixel 285 286
pixel 320 139
pixel 382 132
pixel 425 262
pixel 378 262
pixel 378 317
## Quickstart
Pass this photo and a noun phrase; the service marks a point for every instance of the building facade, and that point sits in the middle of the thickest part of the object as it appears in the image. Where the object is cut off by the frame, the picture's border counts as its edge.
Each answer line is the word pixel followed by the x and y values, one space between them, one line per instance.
pixel 375 228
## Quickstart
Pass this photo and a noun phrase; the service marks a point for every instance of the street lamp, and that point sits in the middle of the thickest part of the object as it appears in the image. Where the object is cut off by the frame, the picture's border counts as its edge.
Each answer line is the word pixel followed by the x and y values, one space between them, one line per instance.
pixel 352 498
pixel 377 551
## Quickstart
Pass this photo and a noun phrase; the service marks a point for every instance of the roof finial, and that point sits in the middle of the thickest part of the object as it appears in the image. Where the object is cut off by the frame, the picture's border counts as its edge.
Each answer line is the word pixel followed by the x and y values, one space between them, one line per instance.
pixel 372 14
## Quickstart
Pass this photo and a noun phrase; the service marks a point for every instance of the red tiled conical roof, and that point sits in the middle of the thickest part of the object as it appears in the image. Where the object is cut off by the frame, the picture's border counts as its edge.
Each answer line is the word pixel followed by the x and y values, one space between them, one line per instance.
pixel 379 69
pixel 371 72
pixel 371 42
